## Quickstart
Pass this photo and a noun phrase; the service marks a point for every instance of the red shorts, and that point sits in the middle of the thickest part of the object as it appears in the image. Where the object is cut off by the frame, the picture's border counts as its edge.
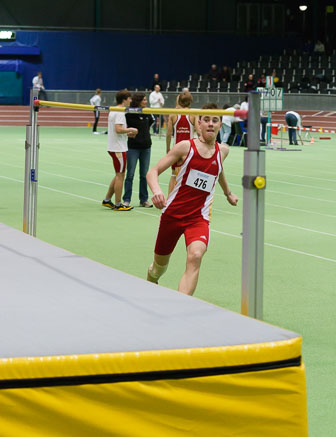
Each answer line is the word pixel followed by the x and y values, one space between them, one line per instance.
pixel 119 161
pixel 170 231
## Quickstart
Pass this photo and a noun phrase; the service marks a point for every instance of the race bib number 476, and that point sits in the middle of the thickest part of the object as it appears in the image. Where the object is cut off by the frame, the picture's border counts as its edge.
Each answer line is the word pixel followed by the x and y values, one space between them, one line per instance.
pixel 201 181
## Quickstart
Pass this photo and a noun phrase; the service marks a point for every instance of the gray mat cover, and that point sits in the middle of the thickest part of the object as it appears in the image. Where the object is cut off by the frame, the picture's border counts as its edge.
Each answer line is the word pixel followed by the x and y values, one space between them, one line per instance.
pixel 56 303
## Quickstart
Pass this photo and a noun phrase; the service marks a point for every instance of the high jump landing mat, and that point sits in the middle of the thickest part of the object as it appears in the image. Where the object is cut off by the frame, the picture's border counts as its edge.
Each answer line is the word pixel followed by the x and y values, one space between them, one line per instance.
pixel 89 351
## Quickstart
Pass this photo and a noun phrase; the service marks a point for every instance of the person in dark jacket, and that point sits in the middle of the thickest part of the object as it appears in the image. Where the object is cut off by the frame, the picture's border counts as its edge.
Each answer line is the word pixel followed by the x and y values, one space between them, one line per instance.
pixel 139 149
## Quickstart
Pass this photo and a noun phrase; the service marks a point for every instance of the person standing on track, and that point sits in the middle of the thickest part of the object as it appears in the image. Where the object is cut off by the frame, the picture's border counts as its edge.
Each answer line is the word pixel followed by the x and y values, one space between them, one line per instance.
pixel 117 149
pixel 293 120
pixel 39 85
pixel 227 121
pixel 156 100
pixel 181 127
pixel 188 208
pixel 96 101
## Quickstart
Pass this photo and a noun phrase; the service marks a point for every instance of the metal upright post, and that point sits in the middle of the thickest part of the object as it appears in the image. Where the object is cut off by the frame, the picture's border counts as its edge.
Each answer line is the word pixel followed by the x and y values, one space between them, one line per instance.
pixel 31 169
pixel 254 182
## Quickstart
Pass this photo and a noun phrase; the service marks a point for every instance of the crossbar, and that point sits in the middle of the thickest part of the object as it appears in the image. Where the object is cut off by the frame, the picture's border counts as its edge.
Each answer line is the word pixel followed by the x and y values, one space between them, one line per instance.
pixel 161 111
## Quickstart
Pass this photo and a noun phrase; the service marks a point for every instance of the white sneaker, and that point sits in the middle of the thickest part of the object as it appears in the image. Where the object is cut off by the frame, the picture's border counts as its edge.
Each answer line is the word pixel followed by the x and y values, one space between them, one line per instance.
pixel 95 133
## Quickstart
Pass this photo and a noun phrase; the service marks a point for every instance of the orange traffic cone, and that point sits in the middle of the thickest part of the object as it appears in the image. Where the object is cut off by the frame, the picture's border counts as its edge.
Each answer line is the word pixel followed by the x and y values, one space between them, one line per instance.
pixel 312 140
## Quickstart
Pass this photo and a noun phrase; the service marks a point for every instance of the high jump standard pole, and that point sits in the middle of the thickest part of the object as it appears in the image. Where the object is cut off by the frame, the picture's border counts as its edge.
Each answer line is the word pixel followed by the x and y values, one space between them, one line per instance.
pixel 31 169
pixel 254 182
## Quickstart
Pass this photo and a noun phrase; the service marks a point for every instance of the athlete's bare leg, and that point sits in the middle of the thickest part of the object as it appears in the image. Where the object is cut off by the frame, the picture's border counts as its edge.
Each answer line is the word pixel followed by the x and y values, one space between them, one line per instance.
pixel 110 190
pixel 195 252
pixel 116 186
pixel 157 268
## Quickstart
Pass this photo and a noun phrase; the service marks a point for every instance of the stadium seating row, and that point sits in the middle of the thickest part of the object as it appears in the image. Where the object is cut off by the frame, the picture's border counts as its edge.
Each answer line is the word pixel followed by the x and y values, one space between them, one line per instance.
pixel 296 73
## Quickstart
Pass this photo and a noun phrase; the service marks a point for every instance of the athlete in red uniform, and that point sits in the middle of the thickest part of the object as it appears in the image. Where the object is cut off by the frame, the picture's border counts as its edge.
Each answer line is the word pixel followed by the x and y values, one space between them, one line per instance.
pixel 181 127
pixel 188 208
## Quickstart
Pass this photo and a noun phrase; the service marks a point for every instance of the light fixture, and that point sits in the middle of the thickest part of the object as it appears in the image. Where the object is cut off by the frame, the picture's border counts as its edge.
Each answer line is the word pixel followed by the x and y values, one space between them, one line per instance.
pixel 303 8
pixel 7 35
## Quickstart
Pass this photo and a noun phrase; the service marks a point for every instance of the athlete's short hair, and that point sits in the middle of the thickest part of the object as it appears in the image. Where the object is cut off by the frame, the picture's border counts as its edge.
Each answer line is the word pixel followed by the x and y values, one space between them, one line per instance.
pixel 122 95
pixel 185 99
pixel 209 106
pixel 137 98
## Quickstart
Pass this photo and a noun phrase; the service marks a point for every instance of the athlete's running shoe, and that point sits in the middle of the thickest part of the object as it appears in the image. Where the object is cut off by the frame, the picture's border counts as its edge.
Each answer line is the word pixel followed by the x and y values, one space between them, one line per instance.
pixel 151 279
pixel 122 207
pixel 108 204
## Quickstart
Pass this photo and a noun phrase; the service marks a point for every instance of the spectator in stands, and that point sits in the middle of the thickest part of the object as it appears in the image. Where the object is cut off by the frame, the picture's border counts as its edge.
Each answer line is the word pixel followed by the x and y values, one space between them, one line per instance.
pixel 38 85
pixel 261 82
pixel 319 47
pixel 249 85
pixel 225 74
pixel 214 73
pixel 156 81
pixel 156 100
pixel 96 101
pixel 293 121
pixel 308 47
pixel 139 150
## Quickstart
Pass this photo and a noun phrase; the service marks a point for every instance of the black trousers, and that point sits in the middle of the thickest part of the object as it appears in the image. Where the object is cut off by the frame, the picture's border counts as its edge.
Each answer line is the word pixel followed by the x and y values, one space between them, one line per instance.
pixel 96 115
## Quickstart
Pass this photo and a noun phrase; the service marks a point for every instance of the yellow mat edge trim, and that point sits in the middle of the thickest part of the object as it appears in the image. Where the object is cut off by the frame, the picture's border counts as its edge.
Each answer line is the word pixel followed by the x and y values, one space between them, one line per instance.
pixel 148 361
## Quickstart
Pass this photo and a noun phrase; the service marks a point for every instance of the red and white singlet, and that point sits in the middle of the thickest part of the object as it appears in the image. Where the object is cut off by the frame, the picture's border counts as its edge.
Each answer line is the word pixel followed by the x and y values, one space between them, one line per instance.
pixel 183 129
pixel 193 193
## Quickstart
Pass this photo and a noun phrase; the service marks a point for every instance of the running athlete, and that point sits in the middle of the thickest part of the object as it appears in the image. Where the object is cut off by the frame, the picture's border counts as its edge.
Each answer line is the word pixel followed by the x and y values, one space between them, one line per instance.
pixel 181 127
pixel 188 208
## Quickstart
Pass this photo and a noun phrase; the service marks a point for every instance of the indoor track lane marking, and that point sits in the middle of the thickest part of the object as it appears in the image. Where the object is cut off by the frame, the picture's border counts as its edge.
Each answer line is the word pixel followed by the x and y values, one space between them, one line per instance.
pixel 281 224
pixel 287 194
pixel 290 174
pixel 157 216
pixel 292 183
pixel 166 184
pixel 283 207
pixel 300 252
pixel 300 210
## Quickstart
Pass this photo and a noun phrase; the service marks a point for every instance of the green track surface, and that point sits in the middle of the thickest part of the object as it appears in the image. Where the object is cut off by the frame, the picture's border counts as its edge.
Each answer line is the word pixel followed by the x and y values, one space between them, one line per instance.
pixel 300 235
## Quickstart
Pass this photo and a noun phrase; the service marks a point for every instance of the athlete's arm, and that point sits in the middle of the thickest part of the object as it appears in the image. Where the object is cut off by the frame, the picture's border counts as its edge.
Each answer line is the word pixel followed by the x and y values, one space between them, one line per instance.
pixel 231 197
pixel 130 131
pixel 177 153
pixel 169 133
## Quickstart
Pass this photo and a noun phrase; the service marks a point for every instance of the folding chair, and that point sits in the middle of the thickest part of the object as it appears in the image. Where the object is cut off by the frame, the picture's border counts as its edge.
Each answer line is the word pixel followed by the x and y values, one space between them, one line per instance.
pixel 239 134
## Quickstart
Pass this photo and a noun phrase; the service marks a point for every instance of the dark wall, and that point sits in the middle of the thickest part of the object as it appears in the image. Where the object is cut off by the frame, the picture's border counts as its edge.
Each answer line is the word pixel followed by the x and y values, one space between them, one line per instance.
pixel 87 60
